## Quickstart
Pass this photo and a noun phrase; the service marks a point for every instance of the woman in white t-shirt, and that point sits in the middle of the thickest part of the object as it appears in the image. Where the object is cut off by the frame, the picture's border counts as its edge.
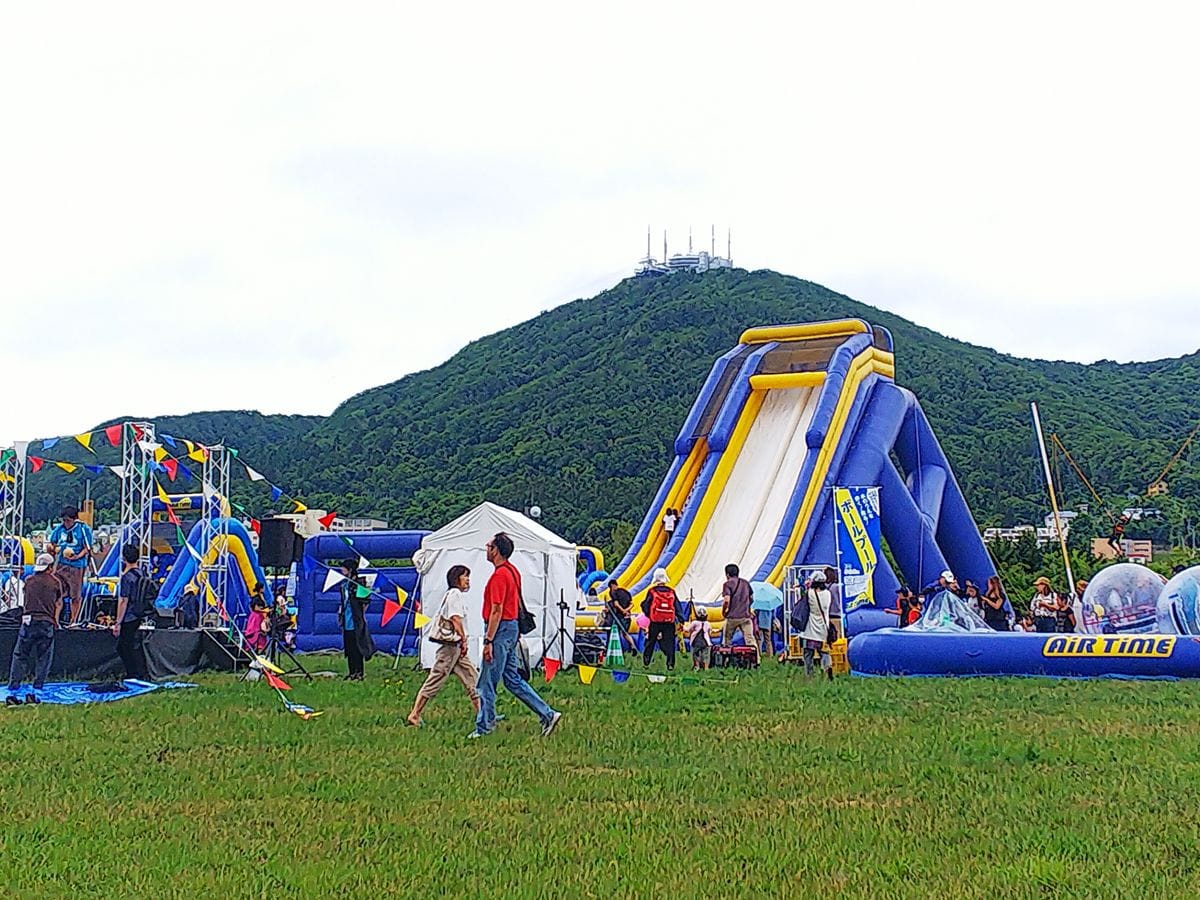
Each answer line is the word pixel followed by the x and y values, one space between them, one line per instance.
pixel 670 521
pixel 449 632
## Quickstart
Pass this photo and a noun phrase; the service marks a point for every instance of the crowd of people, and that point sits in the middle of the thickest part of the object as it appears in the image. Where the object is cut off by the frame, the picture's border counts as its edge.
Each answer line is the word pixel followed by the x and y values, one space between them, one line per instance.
pixel 1048 610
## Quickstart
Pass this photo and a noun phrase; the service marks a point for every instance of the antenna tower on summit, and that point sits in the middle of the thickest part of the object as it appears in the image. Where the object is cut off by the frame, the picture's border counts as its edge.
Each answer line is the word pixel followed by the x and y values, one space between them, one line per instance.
pixel 692 261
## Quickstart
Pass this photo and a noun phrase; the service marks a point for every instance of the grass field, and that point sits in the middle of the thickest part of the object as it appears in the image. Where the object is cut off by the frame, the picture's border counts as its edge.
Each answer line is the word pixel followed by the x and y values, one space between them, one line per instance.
pixel 771 786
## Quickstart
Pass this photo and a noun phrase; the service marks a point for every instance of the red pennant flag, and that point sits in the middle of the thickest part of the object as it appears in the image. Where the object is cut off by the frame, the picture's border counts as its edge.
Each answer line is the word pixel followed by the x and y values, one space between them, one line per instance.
pixel 256 527
pixel 327 521
pixel 390 608
pixel 113 433
pixel 172 467
pixel 138 431
pixel 172 518
pixel 551 666
pixel 36 463
pixel 275 681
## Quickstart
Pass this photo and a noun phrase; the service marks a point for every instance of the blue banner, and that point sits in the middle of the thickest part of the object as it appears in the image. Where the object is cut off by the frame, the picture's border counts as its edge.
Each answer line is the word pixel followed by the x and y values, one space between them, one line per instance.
pixel 856 532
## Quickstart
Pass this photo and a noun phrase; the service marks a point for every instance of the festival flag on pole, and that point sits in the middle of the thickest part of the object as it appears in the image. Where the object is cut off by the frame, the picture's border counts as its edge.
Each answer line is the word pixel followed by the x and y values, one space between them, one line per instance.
pixel 550 665
pixel 275 681
pixel 612 654
pixel 85 441
pixel 327 520
pixel 36 463
pixel 333 577
pixel 113 433
pixel 66 467
pixel 254 475
pixel 420 620
pixel 587 673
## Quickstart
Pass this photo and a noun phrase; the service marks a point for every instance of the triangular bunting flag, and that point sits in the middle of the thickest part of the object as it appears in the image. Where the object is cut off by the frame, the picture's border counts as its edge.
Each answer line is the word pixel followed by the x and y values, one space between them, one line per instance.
pixel 138 431
pixel 619 676
pixel 210 596
pixel 66 467
pixel 179 536
pixel 113 433
pixel 160 453
pixel 276 493
pixel 390 608
pixel 586 674
pixel 207 490
pixel 95 470
pixel 276 682
pixel 401 596
pixel 267 665
pixel 119 471
pixel 187 473
pixel 253 475
pixel 148 447
pixel 551 667
pixel 333 577
pixel 612 654
pixel 327 520
pixel 300 507
pixel 21 449
pixel 6 455
pixel 361 591
pixel 162 495
pixel 85 441
pixel 256 526
pixel 171 466
pixel 48 443
pixel 199 454
pixel 232 452
pixel 168 440
pixel 420 620
pixel 193 552
pixel 656 679
pixel 36 463
pixel 363 563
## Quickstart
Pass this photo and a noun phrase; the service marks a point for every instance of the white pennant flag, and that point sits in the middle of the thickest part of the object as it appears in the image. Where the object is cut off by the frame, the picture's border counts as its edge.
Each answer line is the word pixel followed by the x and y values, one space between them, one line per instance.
pixel 333 577
pixel 21 448
pixel 363 563
pixel 656 679
pixel 193 552
pixel 148 447
pixel 208 490
pixel 119 471
pixel 254 476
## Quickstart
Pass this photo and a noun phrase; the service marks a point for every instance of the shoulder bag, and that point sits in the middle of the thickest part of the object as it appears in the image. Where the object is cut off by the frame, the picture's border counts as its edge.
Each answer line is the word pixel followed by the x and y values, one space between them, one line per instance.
pixel 443 629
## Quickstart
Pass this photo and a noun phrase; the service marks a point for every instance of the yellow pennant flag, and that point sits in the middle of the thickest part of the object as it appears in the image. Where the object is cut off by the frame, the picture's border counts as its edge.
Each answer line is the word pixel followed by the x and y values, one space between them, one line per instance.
pixel 210 595
pixel 66 467
pixel 401 595
pixel 85 441
pixel 268 665
pixel 587 673
pixel 160 454
pixel 300 507
pixel 162 495
pixel 421 620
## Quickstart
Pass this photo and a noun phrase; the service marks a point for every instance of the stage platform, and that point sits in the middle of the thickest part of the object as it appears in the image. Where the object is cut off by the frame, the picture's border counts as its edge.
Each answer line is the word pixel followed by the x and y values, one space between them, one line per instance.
pixel 91 654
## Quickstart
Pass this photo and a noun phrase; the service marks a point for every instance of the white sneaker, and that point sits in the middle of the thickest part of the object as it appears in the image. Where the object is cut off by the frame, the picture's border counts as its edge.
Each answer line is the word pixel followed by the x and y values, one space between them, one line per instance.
pixel 549 727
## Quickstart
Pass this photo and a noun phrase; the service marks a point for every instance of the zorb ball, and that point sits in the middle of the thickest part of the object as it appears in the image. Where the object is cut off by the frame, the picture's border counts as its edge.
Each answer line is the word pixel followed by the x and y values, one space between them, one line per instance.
pixel 1121 599
pixel 1177 612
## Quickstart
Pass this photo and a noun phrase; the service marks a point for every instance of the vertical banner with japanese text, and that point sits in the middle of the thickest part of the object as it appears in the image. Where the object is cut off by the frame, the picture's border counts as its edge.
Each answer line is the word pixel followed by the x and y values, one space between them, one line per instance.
pixel 856 531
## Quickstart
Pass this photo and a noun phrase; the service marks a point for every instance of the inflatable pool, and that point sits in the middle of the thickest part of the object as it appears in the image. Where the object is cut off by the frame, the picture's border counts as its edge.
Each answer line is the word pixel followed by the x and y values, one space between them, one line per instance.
pixel 894 651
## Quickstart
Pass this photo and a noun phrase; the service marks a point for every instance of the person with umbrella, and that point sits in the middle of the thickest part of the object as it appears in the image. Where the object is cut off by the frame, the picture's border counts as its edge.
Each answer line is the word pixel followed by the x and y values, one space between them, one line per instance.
pixel 766 599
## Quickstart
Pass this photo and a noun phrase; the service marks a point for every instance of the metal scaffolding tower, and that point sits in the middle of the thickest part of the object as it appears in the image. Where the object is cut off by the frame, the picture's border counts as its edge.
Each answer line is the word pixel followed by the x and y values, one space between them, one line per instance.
pixel 217 509
pixel 12 508
pixel 137 485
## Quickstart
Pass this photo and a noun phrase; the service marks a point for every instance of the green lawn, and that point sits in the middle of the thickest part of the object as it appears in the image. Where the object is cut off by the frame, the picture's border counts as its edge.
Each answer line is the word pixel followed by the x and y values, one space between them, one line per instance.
pixel 771 786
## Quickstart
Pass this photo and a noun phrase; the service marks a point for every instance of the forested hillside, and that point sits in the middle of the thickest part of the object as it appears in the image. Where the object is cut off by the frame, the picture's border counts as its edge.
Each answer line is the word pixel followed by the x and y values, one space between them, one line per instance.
pixel 576 410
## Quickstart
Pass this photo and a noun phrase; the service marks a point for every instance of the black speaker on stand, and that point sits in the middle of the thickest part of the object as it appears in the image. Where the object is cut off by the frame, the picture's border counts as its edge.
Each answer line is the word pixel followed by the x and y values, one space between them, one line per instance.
pixel 278 544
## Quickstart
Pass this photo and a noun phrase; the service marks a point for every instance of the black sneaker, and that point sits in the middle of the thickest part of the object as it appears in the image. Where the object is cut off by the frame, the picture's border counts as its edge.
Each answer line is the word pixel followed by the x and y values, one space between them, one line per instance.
pixel 12 700
pixel 32 698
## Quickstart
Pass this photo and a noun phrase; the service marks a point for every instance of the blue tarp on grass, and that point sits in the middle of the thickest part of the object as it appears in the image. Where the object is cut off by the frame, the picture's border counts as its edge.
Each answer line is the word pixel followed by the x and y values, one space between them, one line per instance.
pixel 71 692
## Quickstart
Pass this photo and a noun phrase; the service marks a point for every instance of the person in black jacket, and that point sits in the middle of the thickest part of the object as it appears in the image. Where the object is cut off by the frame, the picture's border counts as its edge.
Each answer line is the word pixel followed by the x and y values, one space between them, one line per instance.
pixel 352 613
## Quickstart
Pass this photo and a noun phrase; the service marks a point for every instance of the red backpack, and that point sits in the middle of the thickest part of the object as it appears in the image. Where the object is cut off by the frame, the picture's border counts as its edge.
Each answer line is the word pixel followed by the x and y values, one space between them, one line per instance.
pixel 662 604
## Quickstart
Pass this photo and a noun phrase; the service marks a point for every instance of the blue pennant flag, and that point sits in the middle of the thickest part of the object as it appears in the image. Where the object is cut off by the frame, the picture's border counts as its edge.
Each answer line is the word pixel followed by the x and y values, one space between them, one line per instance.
pixel 48 443
pixel 620 677
pixel 186 472
pixel 168 440
pixel 276 493
pixel 95 470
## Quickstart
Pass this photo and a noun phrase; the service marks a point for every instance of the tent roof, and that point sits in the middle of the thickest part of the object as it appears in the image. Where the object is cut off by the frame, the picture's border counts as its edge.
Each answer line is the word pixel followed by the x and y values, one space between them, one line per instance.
pixel 471 530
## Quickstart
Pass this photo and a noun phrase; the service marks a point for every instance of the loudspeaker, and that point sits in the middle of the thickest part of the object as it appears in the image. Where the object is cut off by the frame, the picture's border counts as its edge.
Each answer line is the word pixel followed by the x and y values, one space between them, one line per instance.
pixel 277 543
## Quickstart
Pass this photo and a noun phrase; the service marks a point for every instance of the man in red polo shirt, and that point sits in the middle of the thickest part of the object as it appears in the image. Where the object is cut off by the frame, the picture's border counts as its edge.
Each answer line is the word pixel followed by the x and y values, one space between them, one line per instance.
pixel 501 603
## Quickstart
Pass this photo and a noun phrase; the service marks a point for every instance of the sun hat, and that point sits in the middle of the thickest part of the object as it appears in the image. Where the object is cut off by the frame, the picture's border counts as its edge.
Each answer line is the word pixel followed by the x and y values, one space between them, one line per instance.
pixel 660 576
pixel 818 578
pixel 947 575
pixel 43 562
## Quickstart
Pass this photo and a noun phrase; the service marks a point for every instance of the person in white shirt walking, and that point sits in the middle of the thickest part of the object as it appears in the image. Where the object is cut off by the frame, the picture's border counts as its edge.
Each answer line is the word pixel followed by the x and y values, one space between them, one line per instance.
pixel 450 634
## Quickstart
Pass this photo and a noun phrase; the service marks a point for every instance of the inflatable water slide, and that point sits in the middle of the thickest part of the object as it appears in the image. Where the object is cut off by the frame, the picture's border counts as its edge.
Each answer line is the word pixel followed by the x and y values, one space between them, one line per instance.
pixel 783 418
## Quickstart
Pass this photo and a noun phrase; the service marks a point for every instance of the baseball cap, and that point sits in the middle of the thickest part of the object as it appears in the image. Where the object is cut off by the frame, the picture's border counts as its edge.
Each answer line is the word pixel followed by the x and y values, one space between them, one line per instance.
pixel 948 575
pixel 43 562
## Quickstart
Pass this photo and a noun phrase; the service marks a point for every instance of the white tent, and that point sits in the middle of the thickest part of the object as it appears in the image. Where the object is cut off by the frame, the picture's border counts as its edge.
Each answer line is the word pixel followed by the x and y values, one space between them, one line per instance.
pixel 546 563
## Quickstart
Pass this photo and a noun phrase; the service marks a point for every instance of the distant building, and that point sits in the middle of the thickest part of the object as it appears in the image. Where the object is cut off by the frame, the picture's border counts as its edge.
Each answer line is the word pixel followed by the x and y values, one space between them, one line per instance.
pixel 1134 551
pixel 692 261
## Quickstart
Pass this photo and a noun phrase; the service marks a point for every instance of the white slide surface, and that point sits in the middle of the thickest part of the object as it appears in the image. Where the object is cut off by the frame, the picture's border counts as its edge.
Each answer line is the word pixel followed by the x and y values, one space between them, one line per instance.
pixel 753 504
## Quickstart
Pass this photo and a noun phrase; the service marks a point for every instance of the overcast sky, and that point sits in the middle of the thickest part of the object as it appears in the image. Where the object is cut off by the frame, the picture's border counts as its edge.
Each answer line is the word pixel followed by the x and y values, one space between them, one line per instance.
pixel 275 206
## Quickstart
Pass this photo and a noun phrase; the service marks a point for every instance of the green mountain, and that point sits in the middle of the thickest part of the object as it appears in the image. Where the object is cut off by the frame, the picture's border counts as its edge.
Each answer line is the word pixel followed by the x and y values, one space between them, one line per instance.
pixel 576 411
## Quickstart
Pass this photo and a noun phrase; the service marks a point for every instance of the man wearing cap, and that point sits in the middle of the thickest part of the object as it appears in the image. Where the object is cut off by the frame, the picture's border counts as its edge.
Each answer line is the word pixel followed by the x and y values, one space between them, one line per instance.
pixel 72 541
pixel 34 649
